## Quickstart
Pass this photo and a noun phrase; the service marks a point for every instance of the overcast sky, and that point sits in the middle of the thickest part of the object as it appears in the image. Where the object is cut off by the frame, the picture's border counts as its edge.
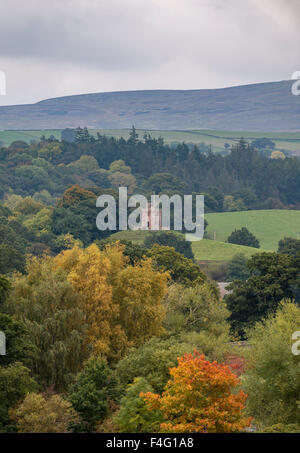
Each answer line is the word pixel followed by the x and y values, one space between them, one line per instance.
pixel 51 48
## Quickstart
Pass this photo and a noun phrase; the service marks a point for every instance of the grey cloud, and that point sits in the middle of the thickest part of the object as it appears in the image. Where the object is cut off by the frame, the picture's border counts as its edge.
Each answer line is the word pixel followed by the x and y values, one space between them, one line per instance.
pixel 85 45
pixel 106 33
pixel 112 34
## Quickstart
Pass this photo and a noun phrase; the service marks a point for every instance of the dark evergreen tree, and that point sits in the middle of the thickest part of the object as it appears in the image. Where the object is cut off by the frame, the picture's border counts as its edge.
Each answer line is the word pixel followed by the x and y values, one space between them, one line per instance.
pixel 289 246
pixel 237 268
pixel 273 277
pixel 243 237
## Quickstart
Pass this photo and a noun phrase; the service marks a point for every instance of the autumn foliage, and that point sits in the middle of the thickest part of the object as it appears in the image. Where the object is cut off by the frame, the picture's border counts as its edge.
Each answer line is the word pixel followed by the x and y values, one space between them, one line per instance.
pixel 199 398
pixel 123 303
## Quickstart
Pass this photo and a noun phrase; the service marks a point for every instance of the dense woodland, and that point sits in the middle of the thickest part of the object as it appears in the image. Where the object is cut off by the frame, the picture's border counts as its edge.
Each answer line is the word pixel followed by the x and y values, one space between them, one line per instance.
pixel 112 336
pixel 245 173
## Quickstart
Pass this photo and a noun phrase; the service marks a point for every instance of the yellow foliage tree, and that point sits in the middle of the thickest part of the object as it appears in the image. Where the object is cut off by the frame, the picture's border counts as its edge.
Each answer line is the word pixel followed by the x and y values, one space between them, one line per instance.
pixel 39 415
pixel 123 303
pixel 139 290
pixel 278 155
pixel 88 272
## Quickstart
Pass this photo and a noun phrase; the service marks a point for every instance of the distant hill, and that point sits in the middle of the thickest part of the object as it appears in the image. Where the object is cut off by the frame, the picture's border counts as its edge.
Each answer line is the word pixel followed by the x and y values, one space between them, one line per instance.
pixel 257 107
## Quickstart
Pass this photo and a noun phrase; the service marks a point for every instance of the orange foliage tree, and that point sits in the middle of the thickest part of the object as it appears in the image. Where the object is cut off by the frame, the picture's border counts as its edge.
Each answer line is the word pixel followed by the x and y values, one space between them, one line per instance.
pixel 199 398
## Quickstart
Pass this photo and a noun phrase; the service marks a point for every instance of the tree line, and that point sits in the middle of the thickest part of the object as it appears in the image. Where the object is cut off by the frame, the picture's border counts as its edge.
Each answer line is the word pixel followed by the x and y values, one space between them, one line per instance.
pixel 242 179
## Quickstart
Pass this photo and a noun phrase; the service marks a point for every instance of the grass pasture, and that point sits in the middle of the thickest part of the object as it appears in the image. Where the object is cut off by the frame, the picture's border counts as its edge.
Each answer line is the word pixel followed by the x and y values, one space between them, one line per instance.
pixel 204 250
pixel 207 250
pixel 268 226
pixel 7 137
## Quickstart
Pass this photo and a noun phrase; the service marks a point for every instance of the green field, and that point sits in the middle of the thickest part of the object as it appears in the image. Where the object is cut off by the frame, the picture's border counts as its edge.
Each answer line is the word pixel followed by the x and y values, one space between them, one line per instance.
pixel 204 250
pixel 287 141
pixel 207 250
pixel 268 226
pixel 7 137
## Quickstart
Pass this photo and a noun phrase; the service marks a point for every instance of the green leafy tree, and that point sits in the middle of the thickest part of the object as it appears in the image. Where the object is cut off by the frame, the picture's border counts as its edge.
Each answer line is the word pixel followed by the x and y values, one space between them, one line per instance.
pixel 50 151
pixel 217 196
pixel 243 237
pixel 196 309
pixel 85 164
pixel 273 276
pixel 272 378
pixel 11 236
pixel 11 259
pixel 33 178
pixel 289 246
pixel 66 221
pixel 4 290
pixel 40 222
pixel 118 166
pixel 15 383
pixel 231 204
pixel 92 392
pixel 198 316
pixel 36 414
pixel 76 213
pixel 134 417
pixel 28 206
pixel 118 179
pixel 165 183
pixel 170 239
pixel 182 270
pixel 134 252
pixel 120 175
pixel 52 313
pixel 100 177
pixel 280 428
pixel 152 361
pixel 44 197
pixel 237 268
pixel 19 347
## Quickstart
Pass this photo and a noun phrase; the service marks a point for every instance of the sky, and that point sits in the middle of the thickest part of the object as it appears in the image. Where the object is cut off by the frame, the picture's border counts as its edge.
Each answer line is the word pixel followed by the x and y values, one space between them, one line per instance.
pixel 51 48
